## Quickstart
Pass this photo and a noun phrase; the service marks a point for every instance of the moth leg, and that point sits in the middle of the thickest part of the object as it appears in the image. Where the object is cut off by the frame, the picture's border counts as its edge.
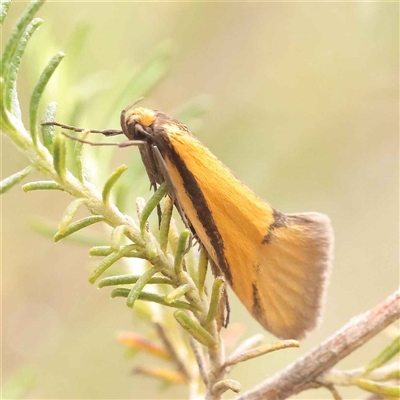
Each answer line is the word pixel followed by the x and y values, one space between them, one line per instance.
pixel 227 307
pixel 155 177
pixel 189 245
pixel 170 186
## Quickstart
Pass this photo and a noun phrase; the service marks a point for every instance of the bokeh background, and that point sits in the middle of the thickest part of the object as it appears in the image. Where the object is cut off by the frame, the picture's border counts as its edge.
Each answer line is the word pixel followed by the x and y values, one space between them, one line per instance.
pixel 301 102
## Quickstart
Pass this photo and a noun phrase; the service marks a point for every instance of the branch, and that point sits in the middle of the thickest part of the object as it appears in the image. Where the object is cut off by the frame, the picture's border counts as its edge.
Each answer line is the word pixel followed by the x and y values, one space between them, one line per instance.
pixel 304 371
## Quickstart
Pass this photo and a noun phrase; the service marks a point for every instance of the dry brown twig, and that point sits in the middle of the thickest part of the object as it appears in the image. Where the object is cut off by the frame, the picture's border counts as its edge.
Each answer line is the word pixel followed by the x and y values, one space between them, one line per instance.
pixel 307 370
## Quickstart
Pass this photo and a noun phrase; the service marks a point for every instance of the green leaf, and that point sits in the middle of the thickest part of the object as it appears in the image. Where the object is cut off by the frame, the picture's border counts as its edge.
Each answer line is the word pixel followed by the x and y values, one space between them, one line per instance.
pixel 176 293
pixel 129 279
pixel 15 107
pixel 59 156
pixel 139 285
pixel 386 355
pixel 109 261
pixel 47 131
pixel 112 180
pixel 49 229
pixel 17 32
pixel 180 251
pixel 104 251
pixel 165 223
pixel 378 388
pixel 41 185
pixel 38 92
pixel 151 205
pixel 151 250
pixel 78 225
pixel 117 237
pixel 69 215
pixel 78 156
pixel 155 298
pixel 12 71
pixel 4 6
pixel 217 290
pixel 194 329
pixel 7 183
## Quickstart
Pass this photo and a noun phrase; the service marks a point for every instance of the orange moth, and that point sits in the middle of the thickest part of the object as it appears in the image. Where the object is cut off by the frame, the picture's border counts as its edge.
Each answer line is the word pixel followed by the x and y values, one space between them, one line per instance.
pixel 277 264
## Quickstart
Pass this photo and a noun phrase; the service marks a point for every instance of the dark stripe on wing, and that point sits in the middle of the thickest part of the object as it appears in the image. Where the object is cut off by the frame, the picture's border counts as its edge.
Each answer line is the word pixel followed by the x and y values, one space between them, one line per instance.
pixel 279 222
pixel 199 202
pixel 257 309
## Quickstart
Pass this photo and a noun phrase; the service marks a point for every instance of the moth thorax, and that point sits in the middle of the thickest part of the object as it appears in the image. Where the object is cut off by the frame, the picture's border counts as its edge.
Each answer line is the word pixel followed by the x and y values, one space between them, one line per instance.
pixel 142 116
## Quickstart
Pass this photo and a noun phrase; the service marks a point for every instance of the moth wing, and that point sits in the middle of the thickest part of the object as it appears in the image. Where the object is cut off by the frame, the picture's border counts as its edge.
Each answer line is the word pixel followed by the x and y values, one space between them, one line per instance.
pixel 294 266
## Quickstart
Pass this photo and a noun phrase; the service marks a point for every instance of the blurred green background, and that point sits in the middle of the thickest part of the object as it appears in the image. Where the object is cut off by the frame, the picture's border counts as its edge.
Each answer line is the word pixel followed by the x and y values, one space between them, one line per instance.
pixel 303 107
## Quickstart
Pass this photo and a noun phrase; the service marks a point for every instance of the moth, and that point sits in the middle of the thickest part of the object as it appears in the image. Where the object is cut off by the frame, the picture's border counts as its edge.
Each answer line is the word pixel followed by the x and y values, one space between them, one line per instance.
pixel 277 264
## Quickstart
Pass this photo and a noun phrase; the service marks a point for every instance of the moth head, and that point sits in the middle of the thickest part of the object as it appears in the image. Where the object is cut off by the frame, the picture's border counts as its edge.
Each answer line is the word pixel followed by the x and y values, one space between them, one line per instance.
pixel 136 123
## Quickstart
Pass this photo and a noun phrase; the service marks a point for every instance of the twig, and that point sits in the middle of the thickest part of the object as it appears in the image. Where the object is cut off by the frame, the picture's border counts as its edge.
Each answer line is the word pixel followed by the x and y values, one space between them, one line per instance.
pixel 294 378
pixel 169 346
pixel 259 351
pixel 227 384
pixel 200 359
pixel 335 394
pixel 245 346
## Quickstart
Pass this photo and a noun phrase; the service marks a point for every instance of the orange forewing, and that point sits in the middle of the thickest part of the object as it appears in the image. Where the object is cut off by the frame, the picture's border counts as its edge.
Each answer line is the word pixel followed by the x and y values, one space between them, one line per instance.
pixel 278 270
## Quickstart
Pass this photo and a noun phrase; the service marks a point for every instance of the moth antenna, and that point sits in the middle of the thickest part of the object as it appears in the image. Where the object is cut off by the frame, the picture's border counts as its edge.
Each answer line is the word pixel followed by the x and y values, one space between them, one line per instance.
pixel 132 105
pixel 105 132
pixel 120 144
